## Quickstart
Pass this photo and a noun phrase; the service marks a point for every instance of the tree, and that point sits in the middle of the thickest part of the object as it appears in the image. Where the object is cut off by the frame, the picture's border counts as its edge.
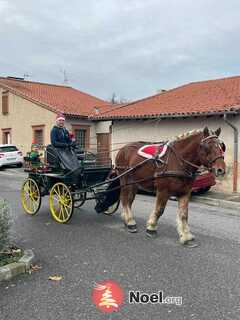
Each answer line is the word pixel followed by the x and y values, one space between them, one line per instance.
pixel 118 100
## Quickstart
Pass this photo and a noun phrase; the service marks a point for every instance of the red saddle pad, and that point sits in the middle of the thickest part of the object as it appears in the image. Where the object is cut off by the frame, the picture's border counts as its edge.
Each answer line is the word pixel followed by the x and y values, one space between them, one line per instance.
pixel 149 151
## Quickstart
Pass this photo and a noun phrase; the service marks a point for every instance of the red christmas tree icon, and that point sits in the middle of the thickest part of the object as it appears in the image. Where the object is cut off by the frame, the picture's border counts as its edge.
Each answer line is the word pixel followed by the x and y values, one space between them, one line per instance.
pixel 107 296
pixel 107 299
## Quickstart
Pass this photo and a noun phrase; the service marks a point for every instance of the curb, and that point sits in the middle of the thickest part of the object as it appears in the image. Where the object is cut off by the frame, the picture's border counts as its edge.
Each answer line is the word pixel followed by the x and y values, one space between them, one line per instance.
pixel 209 201
pixel 10 270
pixel 218 203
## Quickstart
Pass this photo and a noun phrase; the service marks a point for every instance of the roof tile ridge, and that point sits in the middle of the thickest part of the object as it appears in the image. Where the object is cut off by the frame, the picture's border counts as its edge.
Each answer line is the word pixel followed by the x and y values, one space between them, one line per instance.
pixel 35 82
pixel 26 96
pixel 214 80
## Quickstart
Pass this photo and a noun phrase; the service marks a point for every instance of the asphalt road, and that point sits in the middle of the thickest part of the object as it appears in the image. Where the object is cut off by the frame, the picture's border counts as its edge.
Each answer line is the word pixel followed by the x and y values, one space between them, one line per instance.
pixel 92 248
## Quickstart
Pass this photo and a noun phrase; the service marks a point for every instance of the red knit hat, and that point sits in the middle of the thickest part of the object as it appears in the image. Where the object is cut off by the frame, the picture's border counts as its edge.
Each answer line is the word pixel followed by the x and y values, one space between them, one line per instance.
pixel 60 116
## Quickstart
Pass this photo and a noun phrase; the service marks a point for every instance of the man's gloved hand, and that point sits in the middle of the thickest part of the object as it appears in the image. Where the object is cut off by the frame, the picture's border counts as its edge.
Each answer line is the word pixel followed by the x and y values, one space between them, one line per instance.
pixel 73 144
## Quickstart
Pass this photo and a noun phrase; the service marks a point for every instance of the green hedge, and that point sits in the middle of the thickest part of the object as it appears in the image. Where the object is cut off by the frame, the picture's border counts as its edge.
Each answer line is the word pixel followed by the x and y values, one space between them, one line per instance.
pixel 5 224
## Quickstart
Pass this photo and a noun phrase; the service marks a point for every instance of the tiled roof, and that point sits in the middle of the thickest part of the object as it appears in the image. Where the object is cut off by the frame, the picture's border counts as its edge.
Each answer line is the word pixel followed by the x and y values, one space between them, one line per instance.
pixel 57 98
pixel 198 98
pixel 98 111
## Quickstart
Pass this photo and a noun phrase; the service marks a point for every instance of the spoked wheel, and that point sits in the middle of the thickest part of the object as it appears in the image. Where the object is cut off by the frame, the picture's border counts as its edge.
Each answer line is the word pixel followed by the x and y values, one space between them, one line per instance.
pixel 61 202
pixel 30 196
pixel 112 209
pixel 79 199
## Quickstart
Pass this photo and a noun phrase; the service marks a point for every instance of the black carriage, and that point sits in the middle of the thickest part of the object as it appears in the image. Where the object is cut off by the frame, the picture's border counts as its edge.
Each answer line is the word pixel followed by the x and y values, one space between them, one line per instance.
pixel 69 179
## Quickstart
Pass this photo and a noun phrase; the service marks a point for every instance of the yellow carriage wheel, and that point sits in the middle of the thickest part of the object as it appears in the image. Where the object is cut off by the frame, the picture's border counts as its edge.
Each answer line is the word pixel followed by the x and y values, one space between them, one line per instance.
pixel 30 196
pixel 61 202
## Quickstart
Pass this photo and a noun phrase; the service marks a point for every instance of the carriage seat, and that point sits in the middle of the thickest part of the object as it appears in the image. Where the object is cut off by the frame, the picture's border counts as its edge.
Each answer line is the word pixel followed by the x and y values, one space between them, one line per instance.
pixel 151 150
pixel 63 159
pixel 52 158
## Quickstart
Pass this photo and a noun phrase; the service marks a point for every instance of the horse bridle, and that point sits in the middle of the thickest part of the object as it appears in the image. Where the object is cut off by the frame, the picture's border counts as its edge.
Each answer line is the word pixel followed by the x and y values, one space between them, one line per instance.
pixel 181 159
pixel 221 154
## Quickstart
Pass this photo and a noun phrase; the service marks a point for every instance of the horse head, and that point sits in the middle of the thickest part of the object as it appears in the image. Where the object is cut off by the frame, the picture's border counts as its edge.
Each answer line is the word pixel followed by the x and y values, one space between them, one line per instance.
pixel 212 152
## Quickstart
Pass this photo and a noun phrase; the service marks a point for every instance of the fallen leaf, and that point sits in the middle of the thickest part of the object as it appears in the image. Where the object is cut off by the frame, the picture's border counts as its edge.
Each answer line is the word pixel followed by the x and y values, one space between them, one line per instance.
pixel 55 278
pixel 35 268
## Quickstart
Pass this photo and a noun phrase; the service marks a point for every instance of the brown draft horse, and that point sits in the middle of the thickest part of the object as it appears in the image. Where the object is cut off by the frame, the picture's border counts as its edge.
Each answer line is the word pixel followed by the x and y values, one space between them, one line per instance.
pixel 173 176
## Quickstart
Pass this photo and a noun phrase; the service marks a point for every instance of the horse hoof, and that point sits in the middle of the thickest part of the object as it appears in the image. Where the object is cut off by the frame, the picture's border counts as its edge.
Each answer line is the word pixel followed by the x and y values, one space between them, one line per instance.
pixel 132 228
pixel 190 244
pixel 151 233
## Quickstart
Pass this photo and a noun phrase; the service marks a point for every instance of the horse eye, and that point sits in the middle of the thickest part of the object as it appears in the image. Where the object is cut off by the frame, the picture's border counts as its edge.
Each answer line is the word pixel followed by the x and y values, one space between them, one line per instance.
pixel 206 148
pixel 223 146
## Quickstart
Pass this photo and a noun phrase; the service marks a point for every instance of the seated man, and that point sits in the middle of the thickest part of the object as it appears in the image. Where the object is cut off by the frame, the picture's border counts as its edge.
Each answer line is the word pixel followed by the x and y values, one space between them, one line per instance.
pixel 60 154
pixel 60 137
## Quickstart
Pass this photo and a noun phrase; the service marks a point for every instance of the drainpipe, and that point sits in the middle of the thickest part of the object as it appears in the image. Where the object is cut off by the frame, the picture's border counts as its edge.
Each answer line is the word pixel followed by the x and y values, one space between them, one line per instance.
pixel 235 159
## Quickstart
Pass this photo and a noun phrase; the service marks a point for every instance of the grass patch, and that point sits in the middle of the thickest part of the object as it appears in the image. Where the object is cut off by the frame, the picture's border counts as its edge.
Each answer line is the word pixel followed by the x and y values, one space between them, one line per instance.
pixel 10 255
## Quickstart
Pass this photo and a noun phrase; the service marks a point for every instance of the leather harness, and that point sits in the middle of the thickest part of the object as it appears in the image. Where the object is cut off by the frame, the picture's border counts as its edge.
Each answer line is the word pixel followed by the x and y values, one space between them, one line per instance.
pixel 176 174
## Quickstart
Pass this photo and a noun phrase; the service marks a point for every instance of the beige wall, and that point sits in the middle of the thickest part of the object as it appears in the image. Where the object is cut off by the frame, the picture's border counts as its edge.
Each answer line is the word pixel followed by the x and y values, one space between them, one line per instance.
pixel 157 130
pixel 103 126
pixel 24 114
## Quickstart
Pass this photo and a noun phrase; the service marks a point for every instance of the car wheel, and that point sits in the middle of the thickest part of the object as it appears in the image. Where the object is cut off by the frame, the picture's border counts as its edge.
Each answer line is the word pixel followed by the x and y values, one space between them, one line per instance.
pixel 205 190
pixel 202 191
pixel 19 165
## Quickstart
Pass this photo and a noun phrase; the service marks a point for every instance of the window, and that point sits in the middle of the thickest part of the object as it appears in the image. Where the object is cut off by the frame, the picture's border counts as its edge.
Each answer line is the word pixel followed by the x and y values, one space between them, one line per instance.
pixel 6 136
pixel 8 149
pixel 82 135
pixel 5 102
pixel 38 134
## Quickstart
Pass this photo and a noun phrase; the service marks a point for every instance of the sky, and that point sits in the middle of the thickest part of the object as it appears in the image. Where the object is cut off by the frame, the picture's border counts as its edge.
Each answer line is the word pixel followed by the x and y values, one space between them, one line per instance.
pixel 132 48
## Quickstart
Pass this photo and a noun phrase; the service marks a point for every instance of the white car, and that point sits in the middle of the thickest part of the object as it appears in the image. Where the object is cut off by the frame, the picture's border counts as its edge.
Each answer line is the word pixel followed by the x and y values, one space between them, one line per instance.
pixel 9 154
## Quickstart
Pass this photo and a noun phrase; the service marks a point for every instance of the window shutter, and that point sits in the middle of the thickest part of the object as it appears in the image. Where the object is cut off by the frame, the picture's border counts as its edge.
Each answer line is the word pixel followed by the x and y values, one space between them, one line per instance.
pixel 5 102
pixel 39 136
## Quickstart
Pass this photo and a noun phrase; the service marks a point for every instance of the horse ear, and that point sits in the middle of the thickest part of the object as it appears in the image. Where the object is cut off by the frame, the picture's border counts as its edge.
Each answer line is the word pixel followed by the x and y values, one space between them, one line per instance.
pixel 218 131
pixel 206 132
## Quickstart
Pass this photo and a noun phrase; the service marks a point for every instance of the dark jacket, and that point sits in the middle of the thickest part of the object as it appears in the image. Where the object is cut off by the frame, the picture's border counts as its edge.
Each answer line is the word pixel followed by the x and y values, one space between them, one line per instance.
pixel 60 137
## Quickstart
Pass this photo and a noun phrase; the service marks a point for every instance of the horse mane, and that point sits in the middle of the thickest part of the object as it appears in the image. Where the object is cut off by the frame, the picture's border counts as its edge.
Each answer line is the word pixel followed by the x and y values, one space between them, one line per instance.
pixel 186 135
pixel 178 138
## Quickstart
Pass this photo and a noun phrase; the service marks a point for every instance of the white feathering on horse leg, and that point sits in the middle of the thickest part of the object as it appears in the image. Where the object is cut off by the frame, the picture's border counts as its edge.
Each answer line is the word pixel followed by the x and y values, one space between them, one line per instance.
pixel 127 216
pixel 183 230
pixel 182 220
pixel 152 222
pixel 187 232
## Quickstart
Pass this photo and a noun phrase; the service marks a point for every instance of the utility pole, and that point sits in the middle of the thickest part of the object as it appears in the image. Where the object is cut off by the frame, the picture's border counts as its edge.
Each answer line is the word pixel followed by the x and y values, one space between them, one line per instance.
pixel 65 78
pixel 26 75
